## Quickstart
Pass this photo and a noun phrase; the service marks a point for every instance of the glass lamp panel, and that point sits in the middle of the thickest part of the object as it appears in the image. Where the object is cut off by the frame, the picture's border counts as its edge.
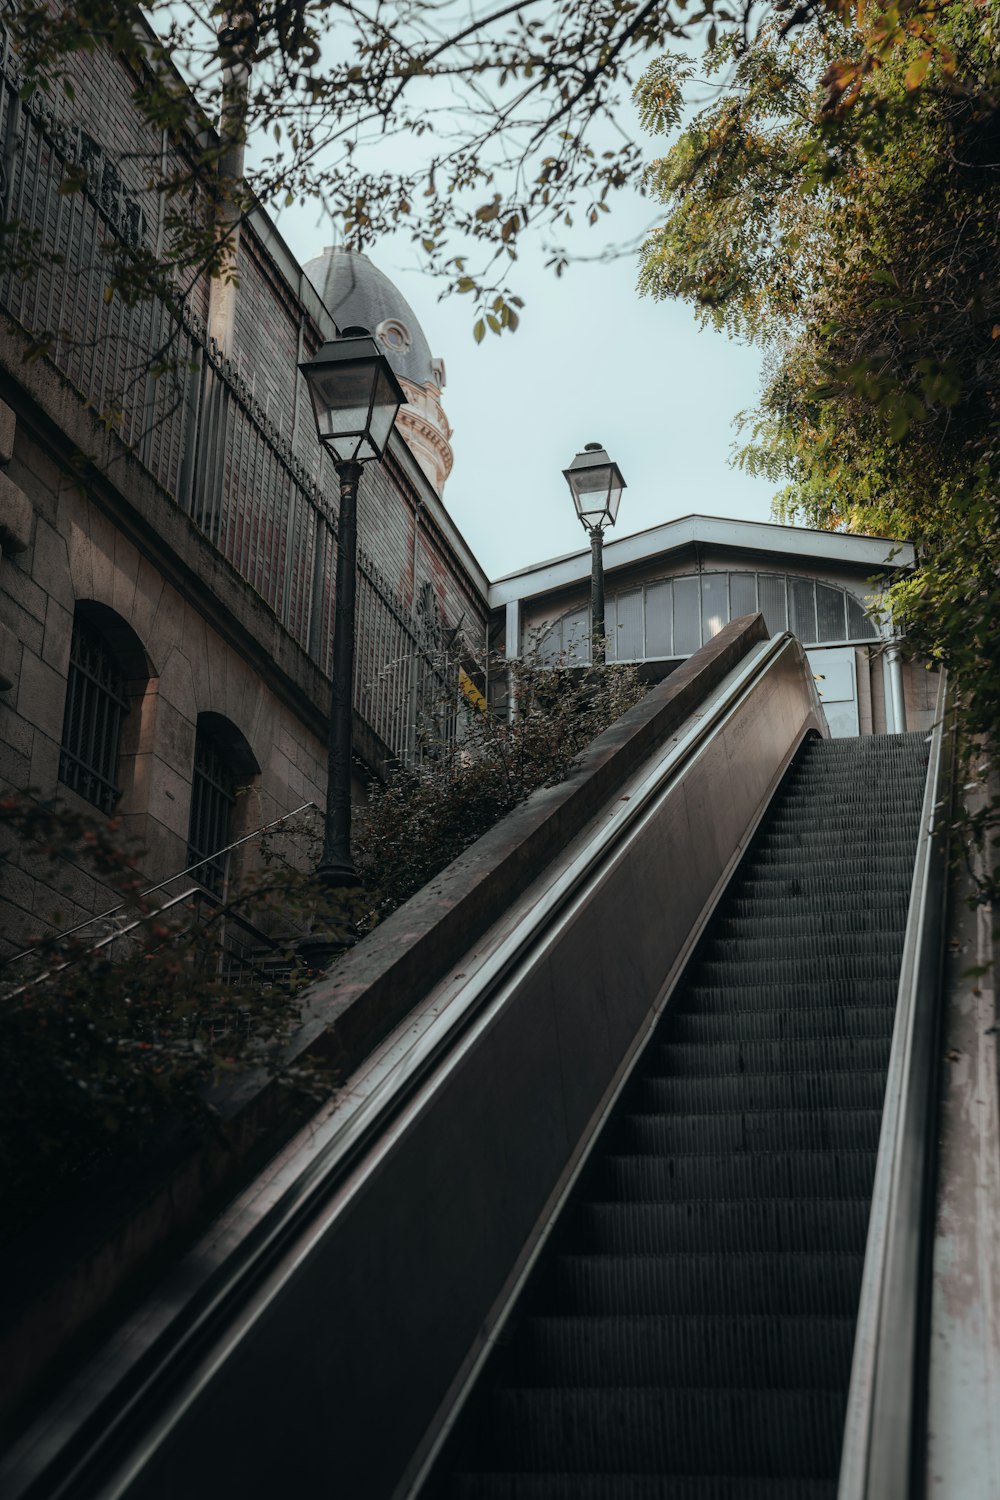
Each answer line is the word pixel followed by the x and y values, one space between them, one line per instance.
pixel 341 396
pixel 384 409
pixel 614 499
pixel 591 494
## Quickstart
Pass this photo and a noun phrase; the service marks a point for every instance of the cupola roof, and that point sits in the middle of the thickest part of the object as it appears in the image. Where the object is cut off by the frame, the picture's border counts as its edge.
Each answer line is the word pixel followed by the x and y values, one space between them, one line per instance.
pixel 357 294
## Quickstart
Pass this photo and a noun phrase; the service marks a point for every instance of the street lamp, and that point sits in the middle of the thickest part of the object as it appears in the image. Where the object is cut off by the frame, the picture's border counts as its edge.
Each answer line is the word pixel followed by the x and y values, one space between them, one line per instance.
pixel 355 397
pixel 596 485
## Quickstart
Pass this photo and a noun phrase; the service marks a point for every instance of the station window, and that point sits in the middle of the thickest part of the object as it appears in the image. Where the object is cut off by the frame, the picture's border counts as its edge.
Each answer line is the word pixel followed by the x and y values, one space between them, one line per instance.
pixel 674 616
pixel 223 763
pixel 96 706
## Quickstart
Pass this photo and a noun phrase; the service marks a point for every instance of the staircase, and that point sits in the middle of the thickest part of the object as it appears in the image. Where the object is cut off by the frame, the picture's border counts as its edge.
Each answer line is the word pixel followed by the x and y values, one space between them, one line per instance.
pixel 688 1332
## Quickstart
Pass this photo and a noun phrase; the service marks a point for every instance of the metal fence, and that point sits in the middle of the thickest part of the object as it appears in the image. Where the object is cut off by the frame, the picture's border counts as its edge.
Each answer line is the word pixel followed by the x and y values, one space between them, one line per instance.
pixel 151 372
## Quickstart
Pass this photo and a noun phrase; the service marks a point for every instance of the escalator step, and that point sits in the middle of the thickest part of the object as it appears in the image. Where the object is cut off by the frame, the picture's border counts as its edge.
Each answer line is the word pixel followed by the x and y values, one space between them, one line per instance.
pixel 833 1055
pixel 635 1487
pixel 824 796
pixel 787 945
pixel 815 1022
pixel 698 1350
pixel 791 879
pixel 817 1282
pixel 793 920
pixel 705 1177
pixel 853 966
pixel 779 1433
pixel 737 1225
pixel 865 822
pixel 743 1091
pixel 801 995
pixel 760 1130
pixel 865 906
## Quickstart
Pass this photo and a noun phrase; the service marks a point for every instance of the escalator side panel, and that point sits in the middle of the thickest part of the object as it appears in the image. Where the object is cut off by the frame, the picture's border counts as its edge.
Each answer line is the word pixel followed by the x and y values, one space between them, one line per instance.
pixel 336 1376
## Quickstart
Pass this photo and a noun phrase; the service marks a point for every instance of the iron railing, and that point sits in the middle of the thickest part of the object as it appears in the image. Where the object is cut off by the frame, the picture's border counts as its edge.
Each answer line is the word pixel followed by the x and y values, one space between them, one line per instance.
pixel 191 416
pixel 111 922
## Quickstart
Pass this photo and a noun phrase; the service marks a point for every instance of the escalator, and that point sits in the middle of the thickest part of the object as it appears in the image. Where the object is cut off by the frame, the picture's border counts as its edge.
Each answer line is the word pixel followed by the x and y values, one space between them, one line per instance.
pixel 689 1332
pixel 627 1200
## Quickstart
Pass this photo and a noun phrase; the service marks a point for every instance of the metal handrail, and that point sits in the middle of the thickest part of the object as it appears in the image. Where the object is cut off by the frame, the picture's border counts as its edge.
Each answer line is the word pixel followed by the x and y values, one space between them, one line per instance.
pixel 113 911
pixel 884 1396
pixel 196 892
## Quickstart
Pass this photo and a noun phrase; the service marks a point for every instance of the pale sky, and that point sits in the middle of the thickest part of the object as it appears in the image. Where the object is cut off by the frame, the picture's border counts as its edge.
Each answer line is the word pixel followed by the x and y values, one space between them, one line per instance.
pixel 590 362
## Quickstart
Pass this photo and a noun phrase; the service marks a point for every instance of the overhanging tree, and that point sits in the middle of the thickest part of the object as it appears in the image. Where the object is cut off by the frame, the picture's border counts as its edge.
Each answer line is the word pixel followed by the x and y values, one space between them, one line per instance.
pixel 461 128
pixel 838 204
pixel 465 128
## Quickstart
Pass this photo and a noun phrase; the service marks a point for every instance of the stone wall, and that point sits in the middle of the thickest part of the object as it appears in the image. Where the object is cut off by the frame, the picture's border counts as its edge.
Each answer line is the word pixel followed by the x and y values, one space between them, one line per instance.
pixel 202 514
pixel 73 552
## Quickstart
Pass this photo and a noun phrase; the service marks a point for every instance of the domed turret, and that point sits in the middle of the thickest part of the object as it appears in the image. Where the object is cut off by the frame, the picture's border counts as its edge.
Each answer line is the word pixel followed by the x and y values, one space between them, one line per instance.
pixel 357 294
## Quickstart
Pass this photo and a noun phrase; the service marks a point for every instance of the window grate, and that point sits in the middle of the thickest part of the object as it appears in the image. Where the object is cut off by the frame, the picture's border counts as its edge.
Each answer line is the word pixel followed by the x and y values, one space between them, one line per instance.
pixel 96 704
pixel 213 792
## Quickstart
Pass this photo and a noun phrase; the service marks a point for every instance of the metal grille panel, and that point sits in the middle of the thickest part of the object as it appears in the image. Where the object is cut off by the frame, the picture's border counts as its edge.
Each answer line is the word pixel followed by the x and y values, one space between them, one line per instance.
pixel 213 792
pixel 96 704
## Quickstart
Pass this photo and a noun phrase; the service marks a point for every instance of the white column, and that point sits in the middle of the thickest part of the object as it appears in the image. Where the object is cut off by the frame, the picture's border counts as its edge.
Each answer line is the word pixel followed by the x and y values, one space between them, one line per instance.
pixel 894 690
pixel 512 650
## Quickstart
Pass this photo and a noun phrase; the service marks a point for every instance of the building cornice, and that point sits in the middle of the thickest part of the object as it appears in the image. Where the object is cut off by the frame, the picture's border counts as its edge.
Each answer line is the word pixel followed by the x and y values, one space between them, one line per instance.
pixel 760 537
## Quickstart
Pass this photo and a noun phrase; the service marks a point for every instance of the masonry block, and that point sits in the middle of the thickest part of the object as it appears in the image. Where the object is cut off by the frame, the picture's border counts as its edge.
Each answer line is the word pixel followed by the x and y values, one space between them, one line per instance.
pixel 15 769
pixel 41 695
pixel 10 658
pixel 18 735
pixel 44 773
pixel 8 422
pixel 16 515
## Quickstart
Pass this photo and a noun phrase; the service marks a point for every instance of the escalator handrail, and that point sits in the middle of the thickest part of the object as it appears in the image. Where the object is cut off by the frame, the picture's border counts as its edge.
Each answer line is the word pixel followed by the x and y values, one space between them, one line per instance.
pixel 884 1401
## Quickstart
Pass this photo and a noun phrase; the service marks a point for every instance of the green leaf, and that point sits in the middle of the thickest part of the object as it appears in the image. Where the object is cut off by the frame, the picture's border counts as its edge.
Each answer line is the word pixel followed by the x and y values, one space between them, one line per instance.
pixel 917 71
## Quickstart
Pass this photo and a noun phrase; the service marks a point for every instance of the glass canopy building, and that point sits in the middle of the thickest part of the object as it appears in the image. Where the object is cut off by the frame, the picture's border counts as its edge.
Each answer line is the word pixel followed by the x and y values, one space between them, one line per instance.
pixel 673 587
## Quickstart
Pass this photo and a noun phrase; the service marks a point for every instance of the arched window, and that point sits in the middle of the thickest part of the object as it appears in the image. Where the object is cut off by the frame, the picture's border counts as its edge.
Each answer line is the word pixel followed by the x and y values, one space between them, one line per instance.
pixel 106 662
pixel 223 763
pixel 674 616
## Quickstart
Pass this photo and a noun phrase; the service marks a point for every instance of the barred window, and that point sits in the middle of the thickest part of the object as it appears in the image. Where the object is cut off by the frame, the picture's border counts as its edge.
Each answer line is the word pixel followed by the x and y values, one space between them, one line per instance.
pixel 223 765
pixel 213 792
pixel 96 705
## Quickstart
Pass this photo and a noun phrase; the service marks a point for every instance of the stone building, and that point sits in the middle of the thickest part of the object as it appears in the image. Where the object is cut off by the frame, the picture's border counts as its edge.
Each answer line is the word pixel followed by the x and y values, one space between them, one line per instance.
pixel 168 540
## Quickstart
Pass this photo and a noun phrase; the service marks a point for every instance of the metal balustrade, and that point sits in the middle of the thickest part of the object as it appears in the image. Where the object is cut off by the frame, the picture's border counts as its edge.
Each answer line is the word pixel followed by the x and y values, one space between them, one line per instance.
pixel 190 415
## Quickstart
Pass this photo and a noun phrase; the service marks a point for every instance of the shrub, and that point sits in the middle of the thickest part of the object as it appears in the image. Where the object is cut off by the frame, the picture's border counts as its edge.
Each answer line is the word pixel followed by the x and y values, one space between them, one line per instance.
pixel 102 1040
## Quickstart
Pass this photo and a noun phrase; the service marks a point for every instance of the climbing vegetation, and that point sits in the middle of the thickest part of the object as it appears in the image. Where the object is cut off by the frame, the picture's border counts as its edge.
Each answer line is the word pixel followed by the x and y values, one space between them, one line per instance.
pixel 838 203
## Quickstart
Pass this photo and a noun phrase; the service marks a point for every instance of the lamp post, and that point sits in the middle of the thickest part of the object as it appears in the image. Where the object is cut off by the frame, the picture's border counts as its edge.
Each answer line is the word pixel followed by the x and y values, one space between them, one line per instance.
pixel 355 397
pixel 596 485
